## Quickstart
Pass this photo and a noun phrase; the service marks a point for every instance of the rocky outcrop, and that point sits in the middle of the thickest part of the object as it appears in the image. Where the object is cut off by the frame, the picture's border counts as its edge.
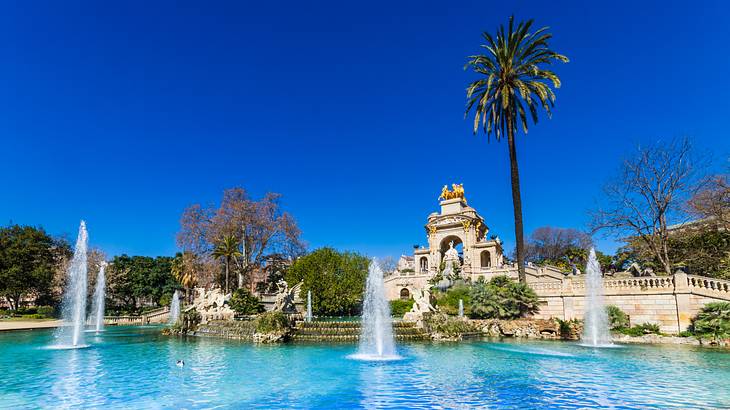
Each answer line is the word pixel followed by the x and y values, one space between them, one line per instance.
pixel 528 328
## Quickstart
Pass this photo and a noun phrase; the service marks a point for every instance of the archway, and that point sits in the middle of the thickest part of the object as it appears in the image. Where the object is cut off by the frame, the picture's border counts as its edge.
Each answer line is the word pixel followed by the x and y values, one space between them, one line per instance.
pixel 458 245
pixel 405 294
pixel 485 259
pixel 423 264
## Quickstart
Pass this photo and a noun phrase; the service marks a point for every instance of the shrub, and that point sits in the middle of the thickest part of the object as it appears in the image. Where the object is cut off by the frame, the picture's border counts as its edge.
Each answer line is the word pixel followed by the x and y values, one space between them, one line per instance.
pixel 449 326
pixel 502 298
pixel 448 302
pixel 641 330
pixel 713 321
pixel 399 307
pixel 46 311
pixel 33 316
pixel 244 302
pixel 685 333
pixel 617 319
pixel 271 322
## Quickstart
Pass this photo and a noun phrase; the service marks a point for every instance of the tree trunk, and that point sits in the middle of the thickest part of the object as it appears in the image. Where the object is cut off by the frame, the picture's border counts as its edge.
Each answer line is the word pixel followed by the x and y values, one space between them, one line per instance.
pixel 517 205
pixel 226 276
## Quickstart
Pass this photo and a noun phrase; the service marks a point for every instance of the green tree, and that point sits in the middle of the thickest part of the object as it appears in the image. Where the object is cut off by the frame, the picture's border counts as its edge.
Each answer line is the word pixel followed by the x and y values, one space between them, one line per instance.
pixel 713 321
pixel 448 302
pixel 617 318
pixel 136 281
pixel 336 279
pixel 513 85
pixel 28 259
pixel 227 249
pixel 503 298
pixel 245 303
pixel 182 268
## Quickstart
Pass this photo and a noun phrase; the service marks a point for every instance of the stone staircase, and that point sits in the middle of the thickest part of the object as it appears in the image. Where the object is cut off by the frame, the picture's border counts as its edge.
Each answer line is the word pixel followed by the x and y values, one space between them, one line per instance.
pixel 321 331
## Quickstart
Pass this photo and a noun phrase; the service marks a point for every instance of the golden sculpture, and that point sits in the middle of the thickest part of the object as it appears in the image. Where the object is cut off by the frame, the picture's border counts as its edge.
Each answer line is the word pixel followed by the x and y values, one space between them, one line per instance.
pixel 456 192
pixel 466 224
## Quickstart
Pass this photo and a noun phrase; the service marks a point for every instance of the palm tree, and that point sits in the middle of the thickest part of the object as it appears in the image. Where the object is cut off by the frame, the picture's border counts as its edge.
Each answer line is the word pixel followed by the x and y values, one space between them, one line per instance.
pixel 227 249
pixel 183 272
pixel 512 81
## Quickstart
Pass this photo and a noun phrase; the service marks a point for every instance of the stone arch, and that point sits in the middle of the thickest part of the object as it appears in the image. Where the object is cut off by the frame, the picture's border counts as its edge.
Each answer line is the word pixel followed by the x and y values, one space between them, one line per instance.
pixel 458 245
pixel 423 264
pixel 485 258
pixel 405 294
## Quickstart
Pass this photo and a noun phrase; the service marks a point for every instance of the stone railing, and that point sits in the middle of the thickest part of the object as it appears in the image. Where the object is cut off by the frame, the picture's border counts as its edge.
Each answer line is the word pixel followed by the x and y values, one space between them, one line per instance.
pixel 159 315
pixel 708 284
pixel 125 320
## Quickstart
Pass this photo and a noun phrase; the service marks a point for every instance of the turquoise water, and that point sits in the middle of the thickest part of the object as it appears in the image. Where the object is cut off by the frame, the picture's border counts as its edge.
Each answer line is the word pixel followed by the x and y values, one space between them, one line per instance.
pixel 134 368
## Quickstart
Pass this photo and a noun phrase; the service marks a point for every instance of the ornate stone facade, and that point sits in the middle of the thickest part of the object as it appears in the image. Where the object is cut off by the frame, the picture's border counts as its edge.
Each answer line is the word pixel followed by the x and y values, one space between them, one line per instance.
pixel 459 226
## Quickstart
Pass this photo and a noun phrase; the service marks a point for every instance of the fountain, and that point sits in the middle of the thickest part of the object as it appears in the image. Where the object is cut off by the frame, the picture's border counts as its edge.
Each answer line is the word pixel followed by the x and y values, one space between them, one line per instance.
pixel 174 308
pixel 97 307
pixel 595 330
pixel 461 308
pixel 308 318
pixel 73 311
pixel 376 335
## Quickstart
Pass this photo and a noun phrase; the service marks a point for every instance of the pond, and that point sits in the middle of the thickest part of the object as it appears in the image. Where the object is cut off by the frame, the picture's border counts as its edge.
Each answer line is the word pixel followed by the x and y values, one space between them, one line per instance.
pixel 135 367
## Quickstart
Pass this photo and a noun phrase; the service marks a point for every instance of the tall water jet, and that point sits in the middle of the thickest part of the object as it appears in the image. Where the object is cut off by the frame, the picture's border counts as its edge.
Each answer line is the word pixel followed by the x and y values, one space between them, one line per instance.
pixel 461 307
pixel 174 308
pixel 595 330
pixel 97 306
pixel 376 337
pixel 73 311
pixel 308 318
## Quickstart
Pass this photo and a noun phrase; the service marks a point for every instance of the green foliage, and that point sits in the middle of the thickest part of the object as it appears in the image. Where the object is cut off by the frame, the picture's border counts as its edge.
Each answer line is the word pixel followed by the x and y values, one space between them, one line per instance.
pixel 28 259
pixel 46 311
pixel 244 302
pixel 399 307
pixel 448 302
pixel 713 321
pixel 702 252
pixel 617 319
pixel 336 279
pixel 502 298
pixel 641 330
pixel 271 322
pixel 685 333
pixel 134 281
pixel 449 326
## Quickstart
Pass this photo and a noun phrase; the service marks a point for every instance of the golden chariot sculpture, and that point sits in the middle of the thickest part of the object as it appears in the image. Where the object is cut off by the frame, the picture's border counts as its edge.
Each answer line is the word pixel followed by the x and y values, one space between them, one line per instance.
pixel 456 192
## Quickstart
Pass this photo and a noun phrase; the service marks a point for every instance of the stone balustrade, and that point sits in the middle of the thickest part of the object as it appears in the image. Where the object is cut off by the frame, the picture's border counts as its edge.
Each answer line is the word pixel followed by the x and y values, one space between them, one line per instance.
pixel 670 301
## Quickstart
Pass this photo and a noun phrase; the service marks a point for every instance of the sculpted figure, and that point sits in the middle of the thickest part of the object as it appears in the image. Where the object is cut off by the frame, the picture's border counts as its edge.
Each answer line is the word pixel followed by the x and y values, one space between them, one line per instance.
pixel 445 193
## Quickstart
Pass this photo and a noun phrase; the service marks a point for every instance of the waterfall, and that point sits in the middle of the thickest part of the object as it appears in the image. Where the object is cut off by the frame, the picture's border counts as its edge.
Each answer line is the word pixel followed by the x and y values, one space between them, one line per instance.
pixel 97 307
pixel 174 308
pixel 595 319
pixel 73 311
pixel 461 308
pixel 376 337
pixel 308 318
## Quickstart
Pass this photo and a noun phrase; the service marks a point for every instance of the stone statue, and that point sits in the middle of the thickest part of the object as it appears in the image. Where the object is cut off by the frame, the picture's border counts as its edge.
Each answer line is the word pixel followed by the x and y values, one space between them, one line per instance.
pixel 451 254
pixel 285 297
pixel 421 305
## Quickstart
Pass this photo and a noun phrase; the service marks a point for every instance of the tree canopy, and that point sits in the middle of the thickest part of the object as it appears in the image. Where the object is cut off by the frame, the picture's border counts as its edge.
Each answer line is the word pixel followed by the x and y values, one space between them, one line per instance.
pixel 135 281
pixel 336 279
pixel 29 257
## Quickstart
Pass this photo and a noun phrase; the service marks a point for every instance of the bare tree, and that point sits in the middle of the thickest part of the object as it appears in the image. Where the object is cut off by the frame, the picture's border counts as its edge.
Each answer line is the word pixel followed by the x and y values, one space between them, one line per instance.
pixel 549 243
pixel 712 202
pixel 262 227
pixel 649 195
pixel 387 264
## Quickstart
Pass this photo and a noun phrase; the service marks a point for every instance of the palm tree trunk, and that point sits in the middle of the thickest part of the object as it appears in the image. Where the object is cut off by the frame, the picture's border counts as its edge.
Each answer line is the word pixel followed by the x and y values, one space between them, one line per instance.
pixel 517 205
pixel 226 276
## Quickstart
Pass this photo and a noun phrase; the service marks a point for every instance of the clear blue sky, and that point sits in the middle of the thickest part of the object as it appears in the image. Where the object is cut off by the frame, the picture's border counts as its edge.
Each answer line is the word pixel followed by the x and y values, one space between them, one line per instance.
pixel 124 113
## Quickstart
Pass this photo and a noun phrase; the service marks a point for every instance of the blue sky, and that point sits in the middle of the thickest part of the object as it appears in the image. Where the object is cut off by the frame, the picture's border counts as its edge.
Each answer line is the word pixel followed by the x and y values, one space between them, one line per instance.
pixel 124 113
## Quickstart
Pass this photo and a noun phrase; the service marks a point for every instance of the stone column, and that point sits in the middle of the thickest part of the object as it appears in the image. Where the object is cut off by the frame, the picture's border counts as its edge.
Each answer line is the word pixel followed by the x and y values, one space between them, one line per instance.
pixel 566 294
pixel 682 299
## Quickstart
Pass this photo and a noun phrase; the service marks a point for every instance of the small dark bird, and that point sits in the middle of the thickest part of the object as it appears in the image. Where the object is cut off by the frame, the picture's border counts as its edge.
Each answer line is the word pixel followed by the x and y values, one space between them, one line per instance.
pixel 180 363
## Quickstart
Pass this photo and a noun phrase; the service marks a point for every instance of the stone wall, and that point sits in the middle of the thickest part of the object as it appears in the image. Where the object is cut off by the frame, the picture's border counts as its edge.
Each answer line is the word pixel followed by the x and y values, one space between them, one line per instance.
pixel 669 301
